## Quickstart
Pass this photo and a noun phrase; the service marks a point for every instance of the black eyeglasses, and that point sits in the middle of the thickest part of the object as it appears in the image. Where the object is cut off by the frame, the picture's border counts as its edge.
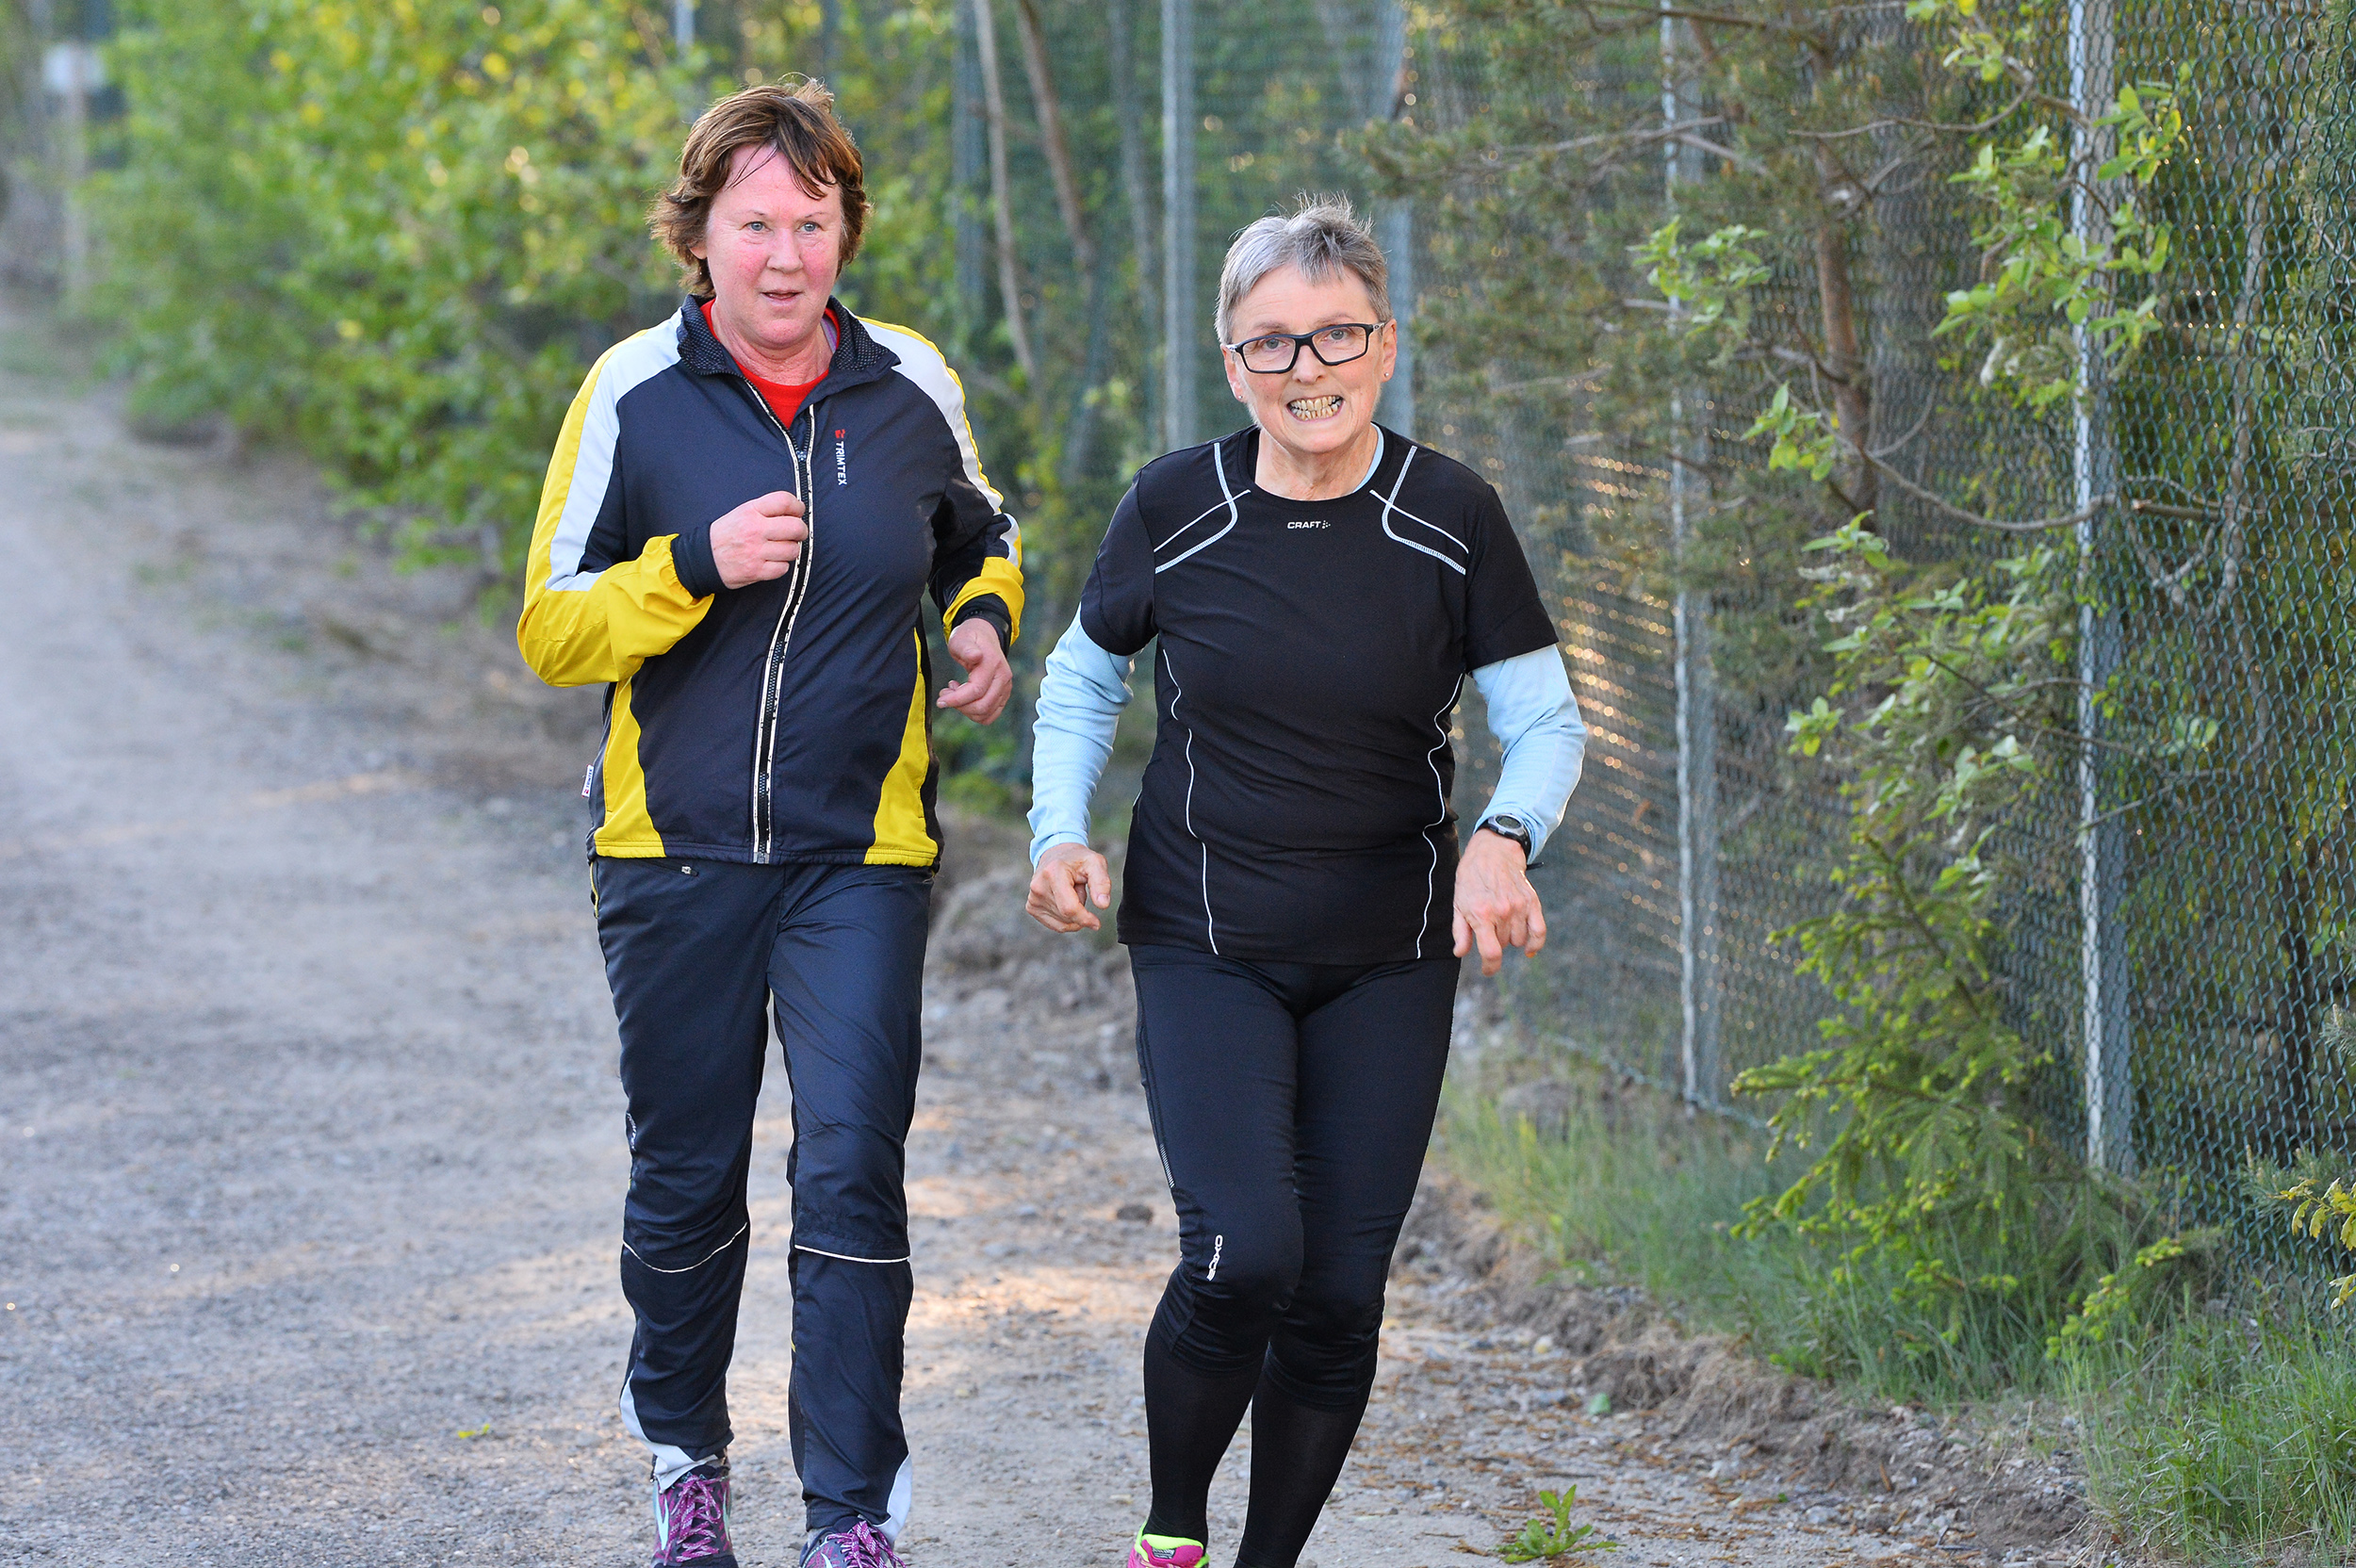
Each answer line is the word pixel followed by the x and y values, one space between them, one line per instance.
pixel 1274 353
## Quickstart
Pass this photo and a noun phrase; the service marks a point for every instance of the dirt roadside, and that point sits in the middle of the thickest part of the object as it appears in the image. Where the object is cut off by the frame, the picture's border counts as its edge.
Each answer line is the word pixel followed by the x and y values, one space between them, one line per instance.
pixel 313 1153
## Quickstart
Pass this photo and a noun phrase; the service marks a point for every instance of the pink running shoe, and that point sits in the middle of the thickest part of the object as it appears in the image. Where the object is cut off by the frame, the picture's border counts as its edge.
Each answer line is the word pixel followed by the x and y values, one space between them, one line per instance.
pixel 860 1546
pixel 691 1521
pixel 1165 1551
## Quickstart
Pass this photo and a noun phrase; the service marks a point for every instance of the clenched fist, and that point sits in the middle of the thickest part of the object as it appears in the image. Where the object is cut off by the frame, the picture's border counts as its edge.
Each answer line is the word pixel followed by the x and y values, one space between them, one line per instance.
pixel 758 541
pixel 1070 877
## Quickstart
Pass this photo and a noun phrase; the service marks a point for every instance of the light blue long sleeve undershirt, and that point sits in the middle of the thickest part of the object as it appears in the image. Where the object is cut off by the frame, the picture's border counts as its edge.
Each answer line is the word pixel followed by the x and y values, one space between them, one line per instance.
pixel 1531 713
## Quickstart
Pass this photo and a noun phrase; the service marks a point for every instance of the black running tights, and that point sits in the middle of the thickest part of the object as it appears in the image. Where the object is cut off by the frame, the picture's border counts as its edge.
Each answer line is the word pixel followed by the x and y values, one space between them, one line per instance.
pixel 1292 1103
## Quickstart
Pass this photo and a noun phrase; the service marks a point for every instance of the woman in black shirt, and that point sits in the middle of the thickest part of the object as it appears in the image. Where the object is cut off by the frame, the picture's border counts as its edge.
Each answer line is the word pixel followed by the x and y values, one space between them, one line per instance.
pixel 1317 589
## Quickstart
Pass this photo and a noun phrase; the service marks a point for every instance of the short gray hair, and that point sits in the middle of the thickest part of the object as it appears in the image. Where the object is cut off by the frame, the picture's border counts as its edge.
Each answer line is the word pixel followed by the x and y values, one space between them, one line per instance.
pixel 1322 240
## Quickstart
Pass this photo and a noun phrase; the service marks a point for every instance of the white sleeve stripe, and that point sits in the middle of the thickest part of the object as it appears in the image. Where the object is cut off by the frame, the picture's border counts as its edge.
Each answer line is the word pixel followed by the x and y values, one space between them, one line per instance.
pixel 635 360
pixel 921 364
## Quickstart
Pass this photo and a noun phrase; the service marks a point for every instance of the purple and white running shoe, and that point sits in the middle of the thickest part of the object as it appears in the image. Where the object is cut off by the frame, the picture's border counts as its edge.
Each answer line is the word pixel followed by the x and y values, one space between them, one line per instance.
pixel 691 1521
pixel 860 1546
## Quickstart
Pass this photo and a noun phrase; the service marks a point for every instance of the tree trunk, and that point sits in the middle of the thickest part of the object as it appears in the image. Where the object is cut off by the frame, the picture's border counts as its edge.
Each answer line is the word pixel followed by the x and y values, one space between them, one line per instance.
pixel 1134 186
pixel 2299 1008
pixel 1051 137
pixel 1000 198
pixel 1844 357
pixel 1079 427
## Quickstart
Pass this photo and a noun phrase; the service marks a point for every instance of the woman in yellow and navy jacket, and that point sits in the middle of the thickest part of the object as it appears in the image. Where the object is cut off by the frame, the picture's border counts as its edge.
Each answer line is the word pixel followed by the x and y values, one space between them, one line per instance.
pixel 747 508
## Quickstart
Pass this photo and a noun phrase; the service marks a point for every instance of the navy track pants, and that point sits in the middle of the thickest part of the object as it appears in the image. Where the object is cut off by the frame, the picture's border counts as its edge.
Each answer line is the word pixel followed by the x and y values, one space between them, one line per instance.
pixel 1292 1103
pixel 698 953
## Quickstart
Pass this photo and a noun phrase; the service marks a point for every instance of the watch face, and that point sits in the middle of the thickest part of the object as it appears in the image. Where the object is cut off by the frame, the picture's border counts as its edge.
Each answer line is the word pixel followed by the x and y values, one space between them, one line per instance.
pixel 1510 827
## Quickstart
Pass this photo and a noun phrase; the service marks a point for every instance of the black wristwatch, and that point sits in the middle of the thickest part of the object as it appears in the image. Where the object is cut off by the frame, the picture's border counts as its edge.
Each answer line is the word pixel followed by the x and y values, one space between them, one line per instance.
pixel 1505 826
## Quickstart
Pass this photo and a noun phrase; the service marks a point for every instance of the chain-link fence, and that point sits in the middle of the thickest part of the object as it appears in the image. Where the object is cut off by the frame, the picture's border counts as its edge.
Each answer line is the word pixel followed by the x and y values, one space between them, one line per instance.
pixel 2181 941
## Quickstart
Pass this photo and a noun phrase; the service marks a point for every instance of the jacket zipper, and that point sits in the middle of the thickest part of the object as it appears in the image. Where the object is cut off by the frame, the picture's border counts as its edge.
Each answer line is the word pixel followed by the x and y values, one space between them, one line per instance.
pixel 781 636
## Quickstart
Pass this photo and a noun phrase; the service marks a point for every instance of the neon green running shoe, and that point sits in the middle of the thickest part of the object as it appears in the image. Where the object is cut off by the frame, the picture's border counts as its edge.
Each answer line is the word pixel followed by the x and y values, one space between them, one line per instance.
pixel 1165 1551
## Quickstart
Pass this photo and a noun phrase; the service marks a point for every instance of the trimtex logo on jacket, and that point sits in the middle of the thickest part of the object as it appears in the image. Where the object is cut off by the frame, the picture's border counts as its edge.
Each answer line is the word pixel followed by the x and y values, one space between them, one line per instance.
pixel 788 720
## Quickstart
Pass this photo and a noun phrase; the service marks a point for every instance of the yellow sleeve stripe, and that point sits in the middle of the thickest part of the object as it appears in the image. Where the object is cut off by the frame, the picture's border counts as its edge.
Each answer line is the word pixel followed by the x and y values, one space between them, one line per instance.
pixel 1000 576
pixel 578 628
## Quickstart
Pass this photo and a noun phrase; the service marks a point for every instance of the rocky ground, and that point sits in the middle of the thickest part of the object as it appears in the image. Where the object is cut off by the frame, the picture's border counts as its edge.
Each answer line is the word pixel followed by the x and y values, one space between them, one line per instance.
pixel 308 1222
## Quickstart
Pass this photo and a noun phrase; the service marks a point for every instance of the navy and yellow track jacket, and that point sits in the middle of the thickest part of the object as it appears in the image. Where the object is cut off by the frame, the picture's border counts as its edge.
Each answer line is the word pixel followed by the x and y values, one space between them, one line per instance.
pixel 789 720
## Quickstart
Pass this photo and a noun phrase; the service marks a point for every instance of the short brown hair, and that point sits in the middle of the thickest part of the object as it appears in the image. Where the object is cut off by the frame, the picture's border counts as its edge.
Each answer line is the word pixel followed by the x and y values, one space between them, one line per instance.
pixel 797 119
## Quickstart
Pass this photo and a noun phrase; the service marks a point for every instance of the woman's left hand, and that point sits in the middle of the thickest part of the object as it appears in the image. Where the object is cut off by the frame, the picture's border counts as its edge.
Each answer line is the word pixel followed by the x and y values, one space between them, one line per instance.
pixel 1495 905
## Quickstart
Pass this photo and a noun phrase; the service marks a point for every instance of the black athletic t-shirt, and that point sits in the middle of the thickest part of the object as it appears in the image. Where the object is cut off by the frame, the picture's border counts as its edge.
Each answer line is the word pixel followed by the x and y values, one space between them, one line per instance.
pixel 1297 804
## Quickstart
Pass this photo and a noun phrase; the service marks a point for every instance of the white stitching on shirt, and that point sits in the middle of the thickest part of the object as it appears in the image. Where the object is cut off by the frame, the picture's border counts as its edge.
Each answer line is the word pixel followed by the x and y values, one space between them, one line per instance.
pixel 1218 465
pixel 1432 876
pixel 1204 513
pixel 1390 504
pixel 1434 528
pixel 1210 927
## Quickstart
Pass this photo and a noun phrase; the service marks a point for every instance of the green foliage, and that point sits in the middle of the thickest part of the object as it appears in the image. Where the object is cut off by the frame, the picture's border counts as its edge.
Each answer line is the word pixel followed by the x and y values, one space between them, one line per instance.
pixel 1940 715
pixel 1629 1188
pixel 2045 287
pixel 400 232
pixel 2328 1211
pixel 1800 438
pixel 1712 279
pixel 2128 1301
pixel 1990 45
pixel 1552 1534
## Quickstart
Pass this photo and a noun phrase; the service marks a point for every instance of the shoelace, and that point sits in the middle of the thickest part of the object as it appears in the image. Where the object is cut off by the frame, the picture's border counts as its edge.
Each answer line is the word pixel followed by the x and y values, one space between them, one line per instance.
pixel 693 1518
pixel 863 1549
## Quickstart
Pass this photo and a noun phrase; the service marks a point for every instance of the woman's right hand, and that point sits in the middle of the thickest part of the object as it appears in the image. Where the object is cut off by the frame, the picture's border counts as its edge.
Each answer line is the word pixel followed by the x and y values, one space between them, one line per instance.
pixel 757 542
pixel 1063 872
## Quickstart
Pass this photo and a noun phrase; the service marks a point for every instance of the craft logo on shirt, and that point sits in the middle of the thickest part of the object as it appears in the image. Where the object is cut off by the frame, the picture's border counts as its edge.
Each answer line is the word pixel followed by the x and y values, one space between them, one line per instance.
pixel 842 462
pixel 1312 522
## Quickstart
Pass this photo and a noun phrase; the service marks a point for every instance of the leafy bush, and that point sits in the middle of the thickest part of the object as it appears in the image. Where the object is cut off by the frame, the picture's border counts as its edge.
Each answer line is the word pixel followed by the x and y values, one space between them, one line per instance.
pixel 400 232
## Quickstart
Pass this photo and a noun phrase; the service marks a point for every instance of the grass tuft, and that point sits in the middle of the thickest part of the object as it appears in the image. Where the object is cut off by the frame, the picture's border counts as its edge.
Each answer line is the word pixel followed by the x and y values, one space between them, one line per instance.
pixel 2230 1440
pixel 1623 1185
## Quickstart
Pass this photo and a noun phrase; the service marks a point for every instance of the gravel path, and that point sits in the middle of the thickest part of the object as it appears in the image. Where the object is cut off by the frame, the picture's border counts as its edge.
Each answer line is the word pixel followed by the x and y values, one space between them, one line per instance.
pixel 314 1151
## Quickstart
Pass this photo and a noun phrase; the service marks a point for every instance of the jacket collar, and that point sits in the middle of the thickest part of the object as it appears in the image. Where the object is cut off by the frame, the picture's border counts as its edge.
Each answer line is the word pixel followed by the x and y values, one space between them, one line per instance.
pixel 857 357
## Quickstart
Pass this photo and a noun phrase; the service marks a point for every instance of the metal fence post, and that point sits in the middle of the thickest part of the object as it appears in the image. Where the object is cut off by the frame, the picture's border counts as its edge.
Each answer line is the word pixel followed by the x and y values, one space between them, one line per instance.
pixel 966 156
pixel 1696 710
pixel 2103 843
pixel 1179 401
pixel 1395 231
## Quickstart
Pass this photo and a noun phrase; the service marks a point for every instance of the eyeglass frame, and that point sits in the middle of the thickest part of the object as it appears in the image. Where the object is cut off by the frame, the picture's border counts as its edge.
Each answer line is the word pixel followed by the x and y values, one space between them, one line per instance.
pixel 1301 340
